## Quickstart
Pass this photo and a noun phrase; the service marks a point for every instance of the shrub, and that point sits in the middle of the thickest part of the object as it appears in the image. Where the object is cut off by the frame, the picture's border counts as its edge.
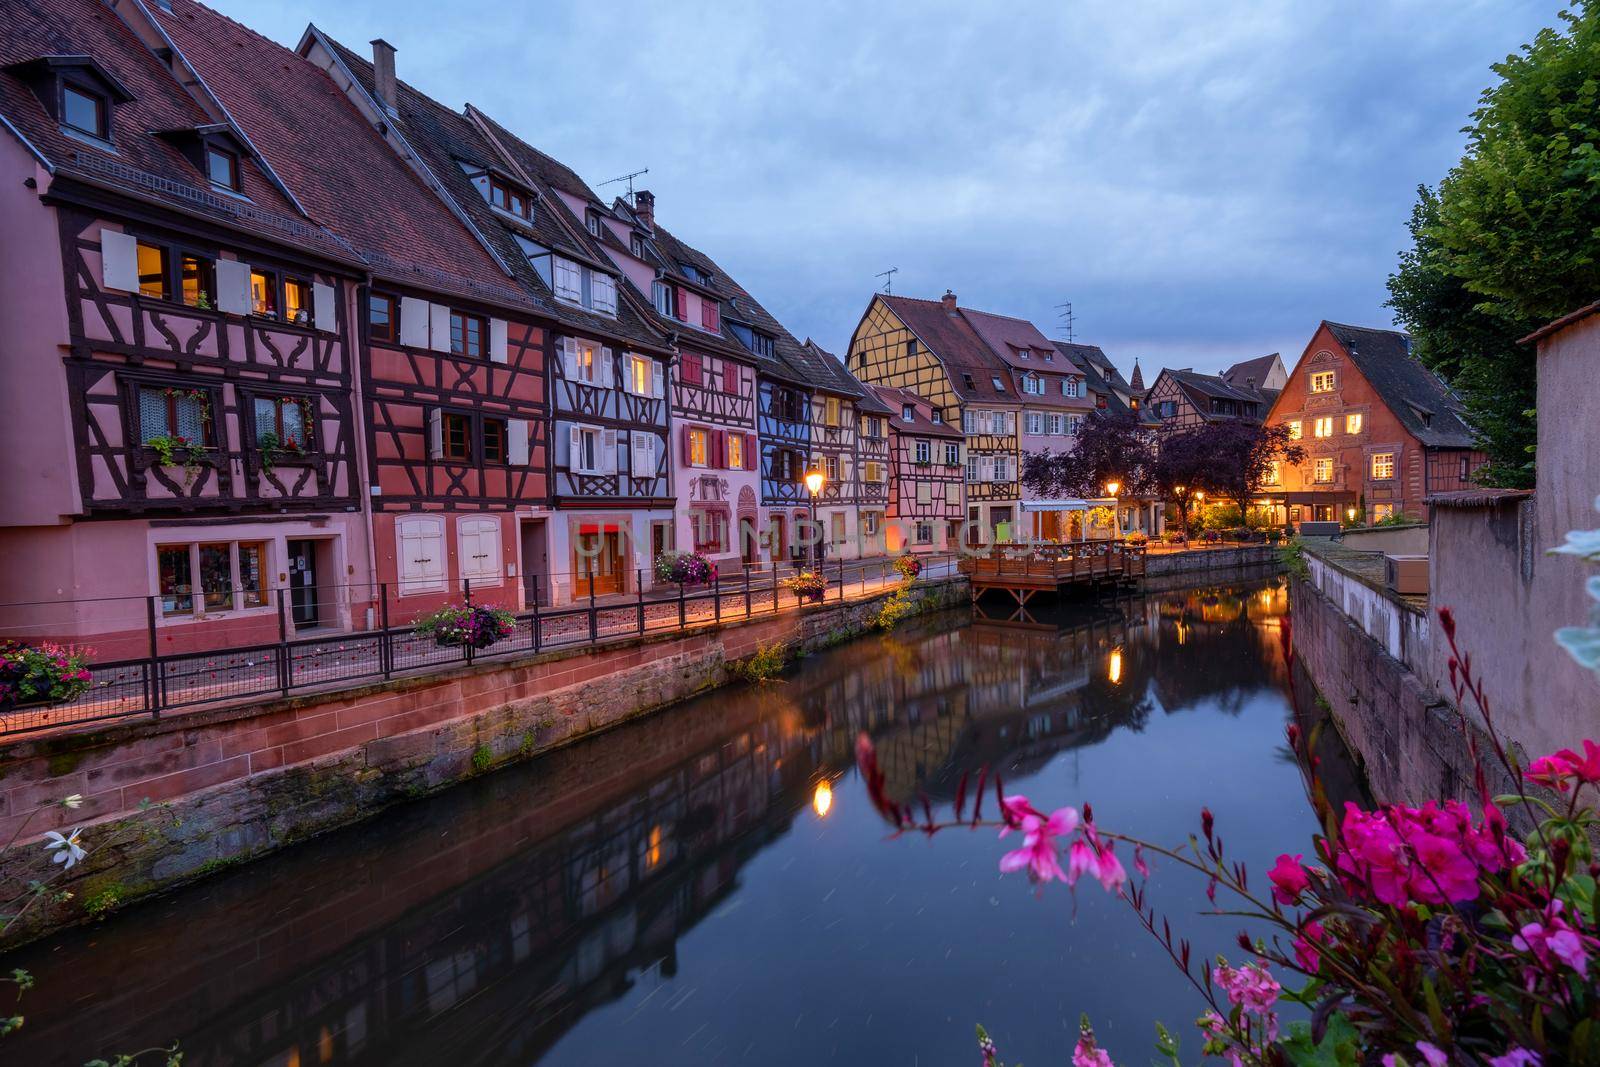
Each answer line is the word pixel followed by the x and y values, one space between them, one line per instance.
pixel 763 665
pixel 1137 537
pixel 689 568
pixel 894 608
pixel 46 673
pixel 471 624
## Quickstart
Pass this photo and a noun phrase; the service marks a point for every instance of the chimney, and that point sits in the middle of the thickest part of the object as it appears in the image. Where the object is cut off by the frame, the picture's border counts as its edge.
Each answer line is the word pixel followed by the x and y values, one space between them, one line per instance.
pixel 644 205
pixel 383 74
pixel 949 302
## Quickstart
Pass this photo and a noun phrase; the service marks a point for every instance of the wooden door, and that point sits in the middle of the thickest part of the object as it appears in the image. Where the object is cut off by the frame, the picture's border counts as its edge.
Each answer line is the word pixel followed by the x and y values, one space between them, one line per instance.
pixel 597 564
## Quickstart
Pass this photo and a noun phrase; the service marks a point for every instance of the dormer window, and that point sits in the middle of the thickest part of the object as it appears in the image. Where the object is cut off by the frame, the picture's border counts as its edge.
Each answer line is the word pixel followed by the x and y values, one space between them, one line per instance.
pixel 509 198
pixel 575 283
pixel 1022 353
pixel 1033 384
pixel 966 379
pixel 222 167
pixel 85 111
pixel 759 343
pixel 908 412
pixel 1049 356
pixel 592 221
pixel 636 245
pixel 999 386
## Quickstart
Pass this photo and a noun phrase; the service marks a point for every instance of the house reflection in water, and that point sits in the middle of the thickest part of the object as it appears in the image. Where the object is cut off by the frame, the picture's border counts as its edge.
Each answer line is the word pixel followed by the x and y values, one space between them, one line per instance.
pixel 484 924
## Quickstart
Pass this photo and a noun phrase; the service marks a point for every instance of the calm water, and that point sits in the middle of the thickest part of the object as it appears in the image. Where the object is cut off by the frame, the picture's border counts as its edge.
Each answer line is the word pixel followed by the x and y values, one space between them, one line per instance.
pixel 679 892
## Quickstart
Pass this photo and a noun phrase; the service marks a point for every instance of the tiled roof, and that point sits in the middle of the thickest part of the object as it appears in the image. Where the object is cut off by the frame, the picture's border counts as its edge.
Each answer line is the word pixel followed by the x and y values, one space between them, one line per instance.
pixel 144 165
pixel 824 371
pixel 1093 377
pixel 333 161
pixel 1478 498
pixel 1251 371
pixel 445 139
pixel 1203 388
pixel 950 337
pixel 1095 356
pixel 1007 336
pixel 668 246
pixel 1424 405
pixel 1560 324
pixel 893 401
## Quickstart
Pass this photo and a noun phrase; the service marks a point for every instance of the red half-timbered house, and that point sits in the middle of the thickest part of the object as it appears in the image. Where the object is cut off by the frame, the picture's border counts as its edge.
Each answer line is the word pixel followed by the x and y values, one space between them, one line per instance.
pixel 926 466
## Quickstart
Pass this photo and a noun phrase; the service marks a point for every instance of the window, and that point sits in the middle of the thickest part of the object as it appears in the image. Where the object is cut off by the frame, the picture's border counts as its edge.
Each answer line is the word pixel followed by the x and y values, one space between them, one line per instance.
pixel 232 577
pixel 1073 422
pixel 222 167
pixel 908 413
pixel 1033 385
pixel 592 221
pixel 85 111
pixel 830 467
pixel 830 411
pixel 911 346
pixel 636 244
pixel 297 301
pixel 1352 424
pixel 699 447
pixel 1033 423
pixel 923 452
pixel 736 451
pixel 585 362
pixel 284 417
pixel 661 297
pixel 1071 387
pixel 467 334
pixel 1022 353
pixel 871 521
pixel 588 459
pixel 1322 427
pixel 874 427
pixel 924 533
pixel 999 386
pixel 952 454
pixel 1322 381
pixel 174 413
pixel 874 471
pixel 197 280
pixel 710 529
pixel 496 440
pixel 1382 466
pixel 1274 473
pixel 1054 425
pixel 1002 468
pixel 383 324
pixel 966 379
pixel 1294 430
pixel 152 260
pixel 924 493
pixel 759 343
pixel 641 375
pixel 936 416
pixel 1323 469
pixel 1380 512
pixel 263 294
pixel 508 198
pixel 838 524
pixel 456 443
pixel 710 315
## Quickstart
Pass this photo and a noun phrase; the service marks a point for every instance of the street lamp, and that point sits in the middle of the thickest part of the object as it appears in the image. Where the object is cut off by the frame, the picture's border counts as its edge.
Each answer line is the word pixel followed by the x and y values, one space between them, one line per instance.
pixel 1116 511
pixel 814 479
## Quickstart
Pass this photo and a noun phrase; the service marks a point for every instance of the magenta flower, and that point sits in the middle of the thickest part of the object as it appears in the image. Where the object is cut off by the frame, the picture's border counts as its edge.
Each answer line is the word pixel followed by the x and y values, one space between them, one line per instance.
pixel 1015 808
pixel 1111 875
pixel 1551 771
pixel 1554 941
pixel 1516 1057
pixel 1585 768
pixel 1082 859
pixel 1306 953
pixel 1039 852
pixel 1289 878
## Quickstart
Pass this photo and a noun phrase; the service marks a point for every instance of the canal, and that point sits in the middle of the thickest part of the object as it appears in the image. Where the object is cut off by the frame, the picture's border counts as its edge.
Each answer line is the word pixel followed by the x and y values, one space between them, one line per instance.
pixel 711 884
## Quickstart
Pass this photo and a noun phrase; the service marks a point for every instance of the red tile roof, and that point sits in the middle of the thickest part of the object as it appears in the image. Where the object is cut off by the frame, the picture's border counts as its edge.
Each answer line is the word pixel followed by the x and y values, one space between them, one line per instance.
pixel 950 337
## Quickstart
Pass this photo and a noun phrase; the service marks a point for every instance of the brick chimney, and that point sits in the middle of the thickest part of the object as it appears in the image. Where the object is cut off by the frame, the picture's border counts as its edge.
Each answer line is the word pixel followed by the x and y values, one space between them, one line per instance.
pixel 383 85
pixel 949 302
pixel 644 205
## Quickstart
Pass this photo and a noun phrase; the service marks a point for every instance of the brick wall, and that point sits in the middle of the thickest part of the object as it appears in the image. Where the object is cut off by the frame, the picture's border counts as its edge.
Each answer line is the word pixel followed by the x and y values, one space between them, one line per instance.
pixel 239 782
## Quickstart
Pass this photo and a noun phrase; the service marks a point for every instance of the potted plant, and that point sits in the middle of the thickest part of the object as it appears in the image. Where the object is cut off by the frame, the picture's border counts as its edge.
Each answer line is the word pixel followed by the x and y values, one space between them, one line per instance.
pixel 36 675
pixel 685 568
pixel 908 566
pixel 1138 539
pixel 807 586
pixel 471 624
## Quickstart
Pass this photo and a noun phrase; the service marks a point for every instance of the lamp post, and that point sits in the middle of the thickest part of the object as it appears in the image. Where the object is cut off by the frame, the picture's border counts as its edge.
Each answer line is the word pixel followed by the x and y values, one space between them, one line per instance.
pixel 814 481
pixel 1183 510
pixel 1112 488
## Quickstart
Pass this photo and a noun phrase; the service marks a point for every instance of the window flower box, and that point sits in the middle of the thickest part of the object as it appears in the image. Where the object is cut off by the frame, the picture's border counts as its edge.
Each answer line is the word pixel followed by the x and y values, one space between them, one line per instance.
pixel 807 586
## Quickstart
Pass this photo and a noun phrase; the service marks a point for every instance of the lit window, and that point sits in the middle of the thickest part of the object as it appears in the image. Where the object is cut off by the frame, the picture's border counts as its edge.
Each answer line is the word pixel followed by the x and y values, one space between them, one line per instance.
pixel 232 576
pixel 1323 427
pixel 222 167
pixel 466 334
pixel 152 260
pixel 1294 430
pixel 1381 512
pixel 263 294
pixel 736 451
pixel 1322 381
pixel 1352 424
pixel 85 112
pixel 1382 465
pixel 1323 471
pixel 641 375
pixel 197 276
pixel 1274 473
pixel 699 447
pixel 297 301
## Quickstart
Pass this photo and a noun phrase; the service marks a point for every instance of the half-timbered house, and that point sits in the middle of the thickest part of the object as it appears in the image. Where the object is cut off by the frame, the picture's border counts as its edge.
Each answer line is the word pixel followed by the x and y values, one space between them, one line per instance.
pixel 178 375
pixel 930 348
pixel 1183 399
pixel 608 476
pixel 926 501
pixel 836 408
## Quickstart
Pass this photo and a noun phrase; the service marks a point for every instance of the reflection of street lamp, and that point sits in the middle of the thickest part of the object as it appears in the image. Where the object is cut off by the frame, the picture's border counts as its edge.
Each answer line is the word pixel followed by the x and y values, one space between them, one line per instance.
pixel 1114 668
pixel 822 799
pixel 1116 511
pixel 814 480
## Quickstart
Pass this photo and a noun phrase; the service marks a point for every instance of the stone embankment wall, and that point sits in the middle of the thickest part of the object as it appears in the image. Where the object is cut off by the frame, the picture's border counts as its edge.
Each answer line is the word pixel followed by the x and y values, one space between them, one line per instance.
pixel 1206 560
pixel 172 800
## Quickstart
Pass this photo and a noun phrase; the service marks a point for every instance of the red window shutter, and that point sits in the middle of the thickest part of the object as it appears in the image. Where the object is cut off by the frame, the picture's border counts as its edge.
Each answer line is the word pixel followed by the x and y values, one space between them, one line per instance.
pixel 710 315
pixel 752 461
pixel 687 447
pixel 719 449
pixel 690 369
pixel 683 305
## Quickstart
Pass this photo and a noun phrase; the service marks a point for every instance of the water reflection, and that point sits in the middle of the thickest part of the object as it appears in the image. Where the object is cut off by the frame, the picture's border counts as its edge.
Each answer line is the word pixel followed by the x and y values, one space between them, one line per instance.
pixel 544 914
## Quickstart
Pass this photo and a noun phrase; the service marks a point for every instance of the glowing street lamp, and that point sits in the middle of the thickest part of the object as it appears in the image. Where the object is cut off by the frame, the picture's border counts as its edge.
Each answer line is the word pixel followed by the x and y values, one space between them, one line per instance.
pixel 1350 513
pixel 1116 509
pixel 822 798
pixel 814 479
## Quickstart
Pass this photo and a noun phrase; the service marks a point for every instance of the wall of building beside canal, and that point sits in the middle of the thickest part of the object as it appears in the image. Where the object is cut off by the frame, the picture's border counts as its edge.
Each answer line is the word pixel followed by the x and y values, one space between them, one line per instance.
pixel 231 784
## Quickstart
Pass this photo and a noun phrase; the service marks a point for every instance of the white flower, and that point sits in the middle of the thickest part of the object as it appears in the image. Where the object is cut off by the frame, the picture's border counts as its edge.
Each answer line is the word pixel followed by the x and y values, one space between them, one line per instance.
pixel 73 802
pixel 66 848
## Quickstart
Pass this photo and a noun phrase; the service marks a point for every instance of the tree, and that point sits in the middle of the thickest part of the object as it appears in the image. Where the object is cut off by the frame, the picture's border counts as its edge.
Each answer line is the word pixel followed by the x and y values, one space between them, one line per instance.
pixel 1183 466
pixel 1239 456
pixel 1108 447
pixel 1511 239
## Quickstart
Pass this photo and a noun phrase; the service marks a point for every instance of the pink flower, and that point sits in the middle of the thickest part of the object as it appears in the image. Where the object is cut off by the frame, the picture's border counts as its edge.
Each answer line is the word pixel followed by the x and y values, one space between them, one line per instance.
pixel 1585 768
pixel 1086 1053
pixel 1432 1054
pixel 1039 852
pixel 1111 875
pixel 1516 1057
pixel 1305 946
pixel 1552 771
pixel 1082 859
pixel 1013 810
pixel 1289 878
pixel 1554 941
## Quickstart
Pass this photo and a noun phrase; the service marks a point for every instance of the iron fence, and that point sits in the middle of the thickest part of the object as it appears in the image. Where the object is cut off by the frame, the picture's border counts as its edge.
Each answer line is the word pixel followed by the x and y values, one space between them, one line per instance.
pixel 260 653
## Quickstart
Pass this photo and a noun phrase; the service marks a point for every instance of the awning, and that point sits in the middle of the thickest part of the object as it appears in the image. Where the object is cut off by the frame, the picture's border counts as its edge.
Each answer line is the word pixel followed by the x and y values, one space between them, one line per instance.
pixel 1072 504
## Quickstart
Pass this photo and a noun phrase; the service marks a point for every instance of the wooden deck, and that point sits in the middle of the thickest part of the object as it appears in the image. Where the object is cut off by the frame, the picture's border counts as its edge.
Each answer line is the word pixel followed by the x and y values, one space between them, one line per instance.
pixel 1023 572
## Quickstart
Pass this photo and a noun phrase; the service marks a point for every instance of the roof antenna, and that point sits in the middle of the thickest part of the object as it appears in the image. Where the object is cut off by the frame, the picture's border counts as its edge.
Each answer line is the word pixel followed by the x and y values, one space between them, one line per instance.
pixel 1064 313
pixel 888 279
pixel 626 178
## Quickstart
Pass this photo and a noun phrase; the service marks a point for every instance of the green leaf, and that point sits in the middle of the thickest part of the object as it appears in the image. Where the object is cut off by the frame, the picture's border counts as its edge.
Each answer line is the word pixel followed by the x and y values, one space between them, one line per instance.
pixel 1341 1045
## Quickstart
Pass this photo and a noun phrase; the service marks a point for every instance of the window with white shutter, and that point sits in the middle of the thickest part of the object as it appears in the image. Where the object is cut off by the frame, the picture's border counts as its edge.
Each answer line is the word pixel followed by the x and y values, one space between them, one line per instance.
pixel 608 452
pixel 603 290
pixel 324 307
pixel 436 434
pixel 478 548
pixel 439 327
pixel 119 261
pixel 419 541
pixel 952 494
pixel 644 454
pixel 499 351
pixel 413 319
pixel 924 493
pixel 568 281
pixel 519 442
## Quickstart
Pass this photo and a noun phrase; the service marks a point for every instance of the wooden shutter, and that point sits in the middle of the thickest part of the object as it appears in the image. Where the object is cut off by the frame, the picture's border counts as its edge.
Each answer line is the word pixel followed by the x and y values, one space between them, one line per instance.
pixel 719 449
pixel 497 341
pixel 952 494
pixel 687 436
pixel 324 305
pixel 478 548
pixel 438 327
pixel 750 453
pixel 420 543
pixel 608 452
pixel 575 450
pixel 710 315
pixel 657 380
pixel 569 358
pixel 233 287
pixel 119 261
pixel 644 454
pixel 413 321
pixel 436 434
pixel 518 441
pixel 683 305
pixel 924 493
pixel 689 368
pixel 605 375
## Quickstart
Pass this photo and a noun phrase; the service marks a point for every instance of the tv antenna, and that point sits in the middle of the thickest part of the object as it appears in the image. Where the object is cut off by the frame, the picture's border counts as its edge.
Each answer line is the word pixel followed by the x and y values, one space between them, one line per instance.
pixel 626 178
pixel 1064 313
pixel 888 279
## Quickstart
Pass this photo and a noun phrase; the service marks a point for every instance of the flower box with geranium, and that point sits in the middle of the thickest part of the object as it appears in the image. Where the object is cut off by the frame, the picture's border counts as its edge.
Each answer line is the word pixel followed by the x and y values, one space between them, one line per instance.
pixel 686 568
pixel 807 585
pixel 472 624
pixel 908 567
pixel 41 674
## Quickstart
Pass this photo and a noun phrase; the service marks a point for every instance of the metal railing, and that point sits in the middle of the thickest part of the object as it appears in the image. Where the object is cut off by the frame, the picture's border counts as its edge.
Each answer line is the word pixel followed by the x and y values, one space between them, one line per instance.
pixel 261 653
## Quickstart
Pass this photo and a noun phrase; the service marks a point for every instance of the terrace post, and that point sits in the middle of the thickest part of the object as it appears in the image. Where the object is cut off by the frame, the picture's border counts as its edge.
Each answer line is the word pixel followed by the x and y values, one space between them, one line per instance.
pixel 594 616
pixel 285 668
pixel 775 584
pixel 385 638
pixel 639 579
pixel 716 597
pixel 747 590
pixel 841 577
pixel 538 637
pixel 466 592
pixel 683 619
pixel 152 673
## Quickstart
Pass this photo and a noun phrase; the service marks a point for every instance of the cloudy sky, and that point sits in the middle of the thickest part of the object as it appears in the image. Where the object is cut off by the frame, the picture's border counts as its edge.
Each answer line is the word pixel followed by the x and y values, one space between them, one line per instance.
pixel 1202 183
